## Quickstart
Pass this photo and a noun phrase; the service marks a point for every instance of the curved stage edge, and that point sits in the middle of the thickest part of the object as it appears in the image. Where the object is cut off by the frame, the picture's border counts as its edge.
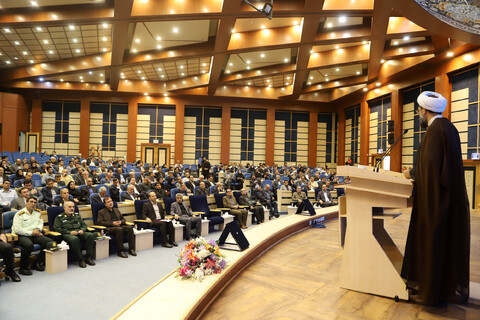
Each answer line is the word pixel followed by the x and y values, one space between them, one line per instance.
pixel 174 298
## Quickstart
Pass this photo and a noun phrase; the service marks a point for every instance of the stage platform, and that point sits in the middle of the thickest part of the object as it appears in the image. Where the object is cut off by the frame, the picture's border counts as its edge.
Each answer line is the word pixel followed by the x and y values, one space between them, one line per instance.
pixel 174 298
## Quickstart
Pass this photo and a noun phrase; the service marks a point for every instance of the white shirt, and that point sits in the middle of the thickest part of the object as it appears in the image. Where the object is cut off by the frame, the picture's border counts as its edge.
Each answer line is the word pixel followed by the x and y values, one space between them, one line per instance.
pixel 433 119
pixel 7 197
pixel 325 195
pixel 157 211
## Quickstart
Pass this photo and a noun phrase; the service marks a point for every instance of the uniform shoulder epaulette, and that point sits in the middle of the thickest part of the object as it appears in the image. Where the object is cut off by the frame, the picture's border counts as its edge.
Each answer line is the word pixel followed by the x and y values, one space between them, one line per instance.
pixel 35 209
pixel 21 212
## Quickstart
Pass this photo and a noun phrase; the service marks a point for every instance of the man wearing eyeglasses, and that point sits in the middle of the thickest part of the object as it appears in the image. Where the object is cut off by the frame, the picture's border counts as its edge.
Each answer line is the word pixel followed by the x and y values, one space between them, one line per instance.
pixel 28 225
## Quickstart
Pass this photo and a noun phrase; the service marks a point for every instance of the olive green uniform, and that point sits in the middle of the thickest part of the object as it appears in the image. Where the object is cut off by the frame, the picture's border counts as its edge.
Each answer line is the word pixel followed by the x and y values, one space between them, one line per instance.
pixel 65 224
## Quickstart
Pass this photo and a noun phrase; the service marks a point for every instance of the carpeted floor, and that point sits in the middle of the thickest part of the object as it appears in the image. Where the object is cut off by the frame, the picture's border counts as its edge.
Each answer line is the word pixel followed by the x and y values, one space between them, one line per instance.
pixel 97 292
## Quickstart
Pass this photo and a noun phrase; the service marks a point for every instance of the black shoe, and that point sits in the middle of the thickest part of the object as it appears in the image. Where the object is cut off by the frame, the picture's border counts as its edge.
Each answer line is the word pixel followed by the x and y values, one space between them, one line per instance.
pixel 13 276
pixel 82 264
pixel 167 245
pixel 173 243
pixel 277 216
pixel 39 266
pixel 132 252
pixel 89 261
pixel 25 272
pixel 122 255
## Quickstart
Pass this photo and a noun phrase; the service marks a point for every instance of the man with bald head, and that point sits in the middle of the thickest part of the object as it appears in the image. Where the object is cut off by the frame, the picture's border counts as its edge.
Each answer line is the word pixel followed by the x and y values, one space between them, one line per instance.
pixel 130 194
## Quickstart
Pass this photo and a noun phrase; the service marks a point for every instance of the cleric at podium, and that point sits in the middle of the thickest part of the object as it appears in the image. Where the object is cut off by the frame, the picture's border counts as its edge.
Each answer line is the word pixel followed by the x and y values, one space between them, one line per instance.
pixel 437 253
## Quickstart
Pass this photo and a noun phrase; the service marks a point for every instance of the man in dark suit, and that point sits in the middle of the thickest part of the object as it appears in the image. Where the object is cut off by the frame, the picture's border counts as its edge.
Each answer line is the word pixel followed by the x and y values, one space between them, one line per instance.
pixel 6 250
pixel 202 190
pixel 100 196
pixel 256 207
pixel 190 184
pixel 266 199
pixel 87 190
pixel 49 192
pixel 81 178
pixel 185 215
pixel 119 175
pixel 130 194
pixel 112 218
pixel 153 213
pixel 144 188
pixel 230 202
pixel 159 191
pixel 205 167
pixel 324 197
pixel 115 190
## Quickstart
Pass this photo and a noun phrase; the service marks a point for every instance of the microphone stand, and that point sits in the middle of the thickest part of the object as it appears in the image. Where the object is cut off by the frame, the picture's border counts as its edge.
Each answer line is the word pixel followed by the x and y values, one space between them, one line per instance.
pixel 378 161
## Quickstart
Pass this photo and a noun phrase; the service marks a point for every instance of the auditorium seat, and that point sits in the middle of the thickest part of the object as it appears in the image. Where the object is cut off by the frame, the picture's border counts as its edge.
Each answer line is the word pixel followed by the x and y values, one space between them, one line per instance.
pixel 96 207
pixel 142 224
pixel 200 204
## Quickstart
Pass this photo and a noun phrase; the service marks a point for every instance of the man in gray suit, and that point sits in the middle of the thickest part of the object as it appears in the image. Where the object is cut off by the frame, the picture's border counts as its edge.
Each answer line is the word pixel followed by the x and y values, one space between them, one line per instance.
pixel 183 213
pixel 19 202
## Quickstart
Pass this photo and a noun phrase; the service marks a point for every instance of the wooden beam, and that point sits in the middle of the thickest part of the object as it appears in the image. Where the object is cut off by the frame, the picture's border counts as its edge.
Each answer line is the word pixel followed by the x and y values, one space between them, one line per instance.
pixel 225 142
pixel 341 137
pixel 132 130
pixel 123 9
pixel 270 141
pixel 397 117
pixel 312 139
pixel 364 131
pixel 179 130
pixel 381 13
pixel 84 142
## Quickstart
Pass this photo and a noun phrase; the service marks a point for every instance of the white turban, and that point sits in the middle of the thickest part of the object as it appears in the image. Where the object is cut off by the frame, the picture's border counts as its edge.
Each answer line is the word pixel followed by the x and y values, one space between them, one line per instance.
pixel 432 101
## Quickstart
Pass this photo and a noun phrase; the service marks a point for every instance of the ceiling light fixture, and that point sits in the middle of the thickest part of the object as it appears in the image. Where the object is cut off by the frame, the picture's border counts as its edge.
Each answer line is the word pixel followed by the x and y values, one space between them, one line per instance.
pixel 365 89
pixel 137 40
pixel 450 54
pixel 406 38
pixel 329 25
pixel 71 27
pixel 342 19
pixel 7 30
pixel 45 41
pixel 159 46
pixel 39 29
pixel 105 26
pixel 175 30
pixel 378 84
pixel 34 3
pixel 285 60
pixel 267 9
pixel 74 40
pixel 77 50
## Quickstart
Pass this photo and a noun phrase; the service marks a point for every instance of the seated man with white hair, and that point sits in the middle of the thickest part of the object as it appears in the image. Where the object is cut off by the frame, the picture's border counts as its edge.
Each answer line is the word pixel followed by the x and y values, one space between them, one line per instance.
pixel 185 215
pixel 102 193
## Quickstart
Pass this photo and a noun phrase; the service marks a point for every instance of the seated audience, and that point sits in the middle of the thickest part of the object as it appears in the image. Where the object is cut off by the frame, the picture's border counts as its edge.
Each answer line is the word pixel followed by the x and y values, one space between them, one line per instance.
pixel 6 251
pixel 218 188
pixel 130 194
pixel 86 191
pixel 255 206
pixel 298 197
pixel 74 193
pixel 115 189
pixel 265 197
pixel 113 219
pixel 230 202
pixel 324 197
pixel 184 214
pixel 285 186
pixel 7 195
pixel 49 192
pixel 159 191
pixel 154 214
pixel 202 190
pixel 74 231
pixel 64 196
pixel 100 196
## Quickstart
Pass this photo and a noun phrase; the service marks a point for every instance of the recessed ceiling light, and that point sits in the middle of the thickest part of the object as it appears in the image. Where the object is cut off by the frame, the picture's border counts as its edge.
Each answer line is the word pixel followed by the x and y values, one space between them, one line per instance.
pixel 378 84
pixel 286 83
pixel 148 57
pixel 7 62
pixel 81 77
pixel 40 79
pixel 311 51
pixel 358 72
pixel 134 50
pixel 16 43
pixel 101 81
pixel 104 49
pixel 181 67
pixel 99 58
pixel 450 54
pixel 50 51
pixel 329 25
pixel 77 50
pixel 337 47
pixel 288 78
pixel 139 71
pixel 45 41
pixel 159 38
pixel 16 58
pixel 262 55
pixel 39 29
pixel 233 30
pixel 203 71
pixel 143 78
pixel 337 69
pixel 101 74
pixel 165 95
pixel 74 40
pixel 105 26
pixel 327 79
pixel 145 94
pixel 248 61
pixel 269 85
pixel 7 30
pixel 364 42
pixel 71 27
pixel 311 77
pixel 104 39
pixel 382 61
pixel 268 80
pixel 309 83
pixel 90 72
pixel 326 75
pixel 61 80
pixel 175 30
pixel 285 60
pixel 406 38
pixel 228 71
pixel 346 35
pixel 395 43
pixel 54 16
pixel 248 67
pixel 34 3
pixel 31 61
pixel 365 89
pixel 249 83
pixel 159 69
pixel 230 64
pixel 263 27
pixel 182 74
pixel 342 19
pixel 162 76
pixel 137 40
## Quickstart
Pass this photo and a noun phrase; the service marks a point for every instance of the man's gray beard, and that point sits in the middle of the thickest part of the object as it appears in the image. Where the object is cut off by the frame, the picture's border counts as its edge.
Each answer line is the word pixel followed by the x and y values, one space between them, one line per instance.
pixel 423 123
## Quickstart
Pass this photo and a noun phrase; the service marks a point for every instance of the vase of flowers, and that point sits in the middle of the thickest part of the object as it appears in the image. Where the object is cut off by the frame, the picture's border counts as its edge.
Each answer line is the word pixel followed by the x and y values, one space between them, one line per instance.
pixel 199 258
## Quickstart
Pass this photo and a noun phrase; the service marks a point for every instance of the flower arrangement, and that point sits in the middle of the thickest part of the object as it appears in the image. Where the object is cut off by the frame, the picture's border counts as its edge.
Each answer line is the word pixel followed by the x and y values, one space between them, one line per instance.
pixel 199 258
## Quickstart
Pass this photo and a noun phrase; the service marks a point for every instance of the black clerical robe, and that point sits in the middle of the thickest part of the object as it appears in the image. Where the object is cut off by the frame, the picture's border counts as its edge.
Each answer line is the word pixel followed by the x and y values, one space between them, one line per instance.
pixel 437 252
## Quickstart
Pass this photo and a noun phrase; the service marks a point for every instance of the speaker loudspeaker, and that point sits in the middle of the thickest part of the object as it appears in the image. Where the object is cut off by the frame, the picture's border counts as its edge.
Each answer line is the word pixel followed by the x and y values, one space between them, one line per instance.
pixel 391 138
pixel 391 125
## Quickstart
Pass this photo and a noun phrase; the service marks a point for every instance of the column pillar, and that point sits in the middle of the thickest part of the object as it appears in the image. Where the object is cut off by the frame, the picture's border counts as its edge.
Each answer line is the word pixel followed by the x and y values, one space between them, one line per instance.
pixel 179 130
pixel 225 149
pixel 365 131
pixel 270 141
pixel 84 142
pixel 312 139
pixel 37 118
pixel 132 130
pixel 341 138
pixel 397 117
pixel 444 87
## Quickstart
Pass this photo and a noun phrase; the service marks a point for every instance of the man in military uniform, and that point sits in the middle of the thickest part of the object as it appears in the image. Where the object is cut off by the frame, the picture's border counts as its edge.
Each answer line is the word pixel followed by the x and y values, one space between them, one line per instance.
pixel 28 225
pixel 70 224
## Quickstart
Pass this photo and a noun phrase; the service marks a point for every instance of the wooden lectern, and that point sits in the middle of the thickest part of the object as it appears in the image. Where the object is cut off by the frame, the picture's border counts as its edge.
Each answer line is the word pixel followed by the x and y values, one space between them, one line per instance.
pixel 371 261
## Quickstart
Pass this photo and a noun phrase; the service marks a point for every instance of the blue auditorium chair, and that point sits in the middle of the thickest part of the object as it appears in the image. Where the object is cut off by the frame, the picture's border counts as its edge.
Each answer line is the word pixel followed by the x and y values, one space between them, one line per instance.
pixel 265 182
pixel 174 191
pixel 142 224
pixel 37 180
pixel 200 204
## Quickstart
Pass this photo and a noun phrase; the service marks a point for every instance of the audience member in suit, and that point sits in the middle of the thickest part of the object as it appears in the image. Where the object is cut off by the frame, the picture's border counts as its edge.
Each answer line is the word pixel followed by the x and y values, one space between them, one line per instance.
pixel 190 184
pixel 153 213
pixel 202 190
pixel 144 188
pixel 3 176
pixel 255 206
pixel 82 180
pixel 112 218
pixel 16 166
pixel 49 192
pixel 64 196
pixel 108 178
pixel 218 188
pixel 324 197
pixel 330 186
pixel 266 199
pixel 6 251
pixel 183 190
pixel 119 175
pixel 58 181
pixel 209 182
pixel 285 186
pixel 100 196
pixel 74 231
pixel 160 191
pixel 141 177
pixel 183 213
pixel 205 166
pixel 95 177
pixel 130 194
pixel 73 192
pixel 240 179
pixel 298 197
pixel 20 202
pixel 115 189
pixel 86 191
pixel 230 202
